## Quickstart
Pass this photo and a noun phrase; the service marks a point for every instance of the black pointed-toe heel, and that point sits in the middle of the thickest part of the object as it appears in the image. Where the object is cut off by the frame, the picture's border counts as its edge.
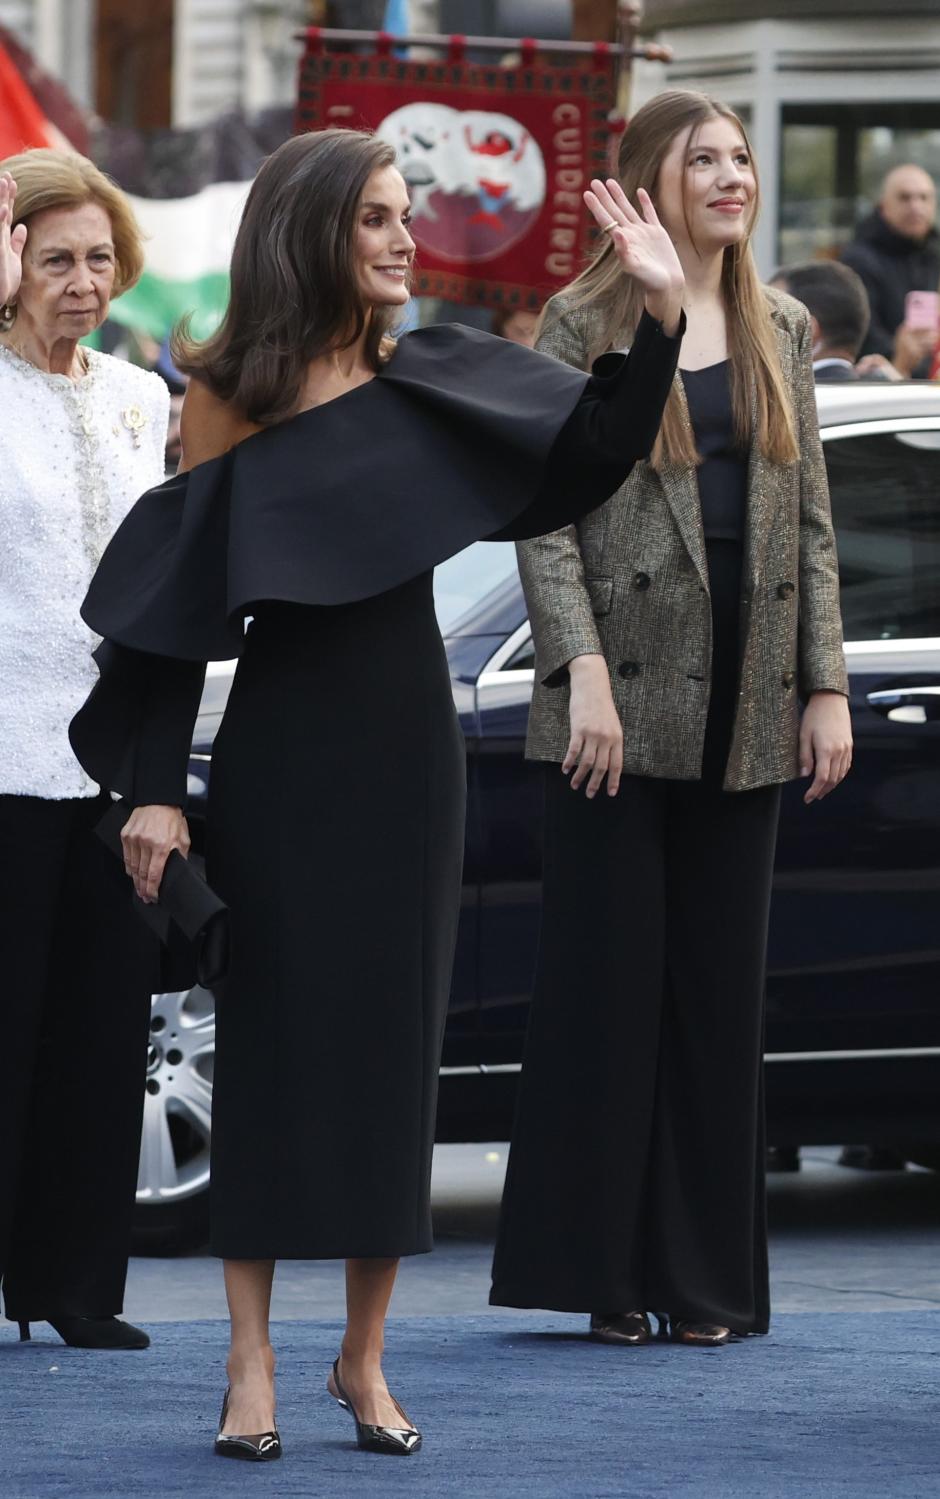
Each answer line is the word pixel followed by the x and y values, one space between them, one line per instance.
pixel 98 1332
pixel 93 1332
pixel 264 1447
pixel 398 1441
pixel 630 1329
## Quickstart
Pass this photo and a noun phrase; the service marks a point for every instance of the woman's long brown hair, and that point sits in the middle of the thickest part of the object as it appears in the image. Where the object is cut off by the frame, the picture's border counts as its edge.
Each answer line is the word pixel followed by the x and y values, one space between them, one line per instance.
pixel 752 341
pixel 294 293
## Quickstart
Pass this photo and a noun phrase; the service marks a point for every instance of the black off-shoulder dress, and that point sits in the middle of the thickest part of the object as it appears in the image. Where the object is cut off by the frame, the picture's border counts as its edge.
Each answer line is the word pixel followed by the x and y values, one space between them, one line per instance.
pixel 337 794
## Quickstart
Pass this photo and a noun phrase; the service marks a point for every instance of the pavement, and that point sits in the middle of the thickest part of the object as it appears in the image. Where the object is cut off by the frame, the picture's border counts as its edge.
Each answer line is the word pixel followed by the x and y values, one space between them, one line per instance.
pixel 828 1406
pixel 838 1402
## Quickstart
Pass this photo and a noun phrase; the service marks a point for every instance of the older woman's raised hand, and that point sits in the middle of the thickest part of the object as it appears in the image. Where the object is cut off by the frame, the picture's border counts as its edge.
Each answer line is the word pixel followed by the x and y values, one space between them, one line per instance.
pixel 642 246
pixel 11 242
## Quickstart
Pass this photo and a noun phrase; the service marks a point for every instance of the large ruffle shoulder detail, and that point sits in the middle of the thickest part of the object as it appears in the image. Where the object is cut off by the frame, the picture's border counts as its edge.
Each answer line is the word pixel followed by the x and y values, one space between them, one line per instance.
pixel 448 444
pixel 460 437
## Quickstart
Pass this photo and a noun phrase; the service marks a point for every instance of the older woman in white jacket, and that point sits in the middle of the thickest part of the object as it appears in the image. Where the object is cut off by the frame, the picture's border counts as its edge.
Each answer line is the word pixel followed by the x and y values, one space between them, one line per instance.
pixel 82 435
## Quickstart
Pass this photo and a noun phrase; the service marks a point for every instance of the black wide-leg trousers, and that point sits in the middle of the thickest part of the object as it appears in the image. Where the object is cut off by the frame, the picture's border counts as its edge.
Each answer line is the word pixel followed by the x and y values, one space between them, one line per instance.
pixel 636 1174
pixel 76 967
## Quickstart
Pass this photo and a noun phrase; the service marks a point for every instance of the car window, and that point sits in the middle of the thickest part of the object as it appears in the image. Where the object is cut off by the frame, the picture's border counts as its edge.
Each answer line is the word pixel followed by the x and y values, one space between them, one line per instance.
pixel 462 581
pixel 522 659
pixel 885 489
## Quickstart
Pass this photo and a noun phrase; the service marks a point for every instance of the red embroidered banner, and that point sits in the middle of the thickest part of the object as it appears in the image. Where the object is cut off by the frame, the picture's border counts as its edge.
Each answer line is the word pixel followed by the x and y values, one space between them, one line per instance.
pixel 496 158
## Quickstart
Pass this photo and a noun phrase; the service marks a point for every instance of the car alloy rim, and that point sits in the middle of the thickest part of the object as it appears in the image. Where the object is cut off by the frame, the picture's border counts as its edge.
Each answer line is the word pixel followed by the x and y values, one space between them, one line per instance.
pixel 174 1147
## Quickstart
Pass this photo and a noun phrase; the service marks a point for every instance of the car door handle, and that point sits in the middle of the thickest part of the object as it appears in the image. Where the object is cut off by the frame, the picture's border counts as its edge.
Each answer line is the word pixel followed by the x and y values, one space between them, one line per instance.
pixel 907 704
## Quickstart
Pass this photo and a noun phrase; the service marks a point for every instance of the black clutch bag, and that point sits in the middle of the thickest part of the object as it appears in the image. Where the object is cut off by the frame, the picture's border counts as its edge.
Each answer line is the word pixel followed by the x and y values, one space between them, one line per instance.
pixel 187 910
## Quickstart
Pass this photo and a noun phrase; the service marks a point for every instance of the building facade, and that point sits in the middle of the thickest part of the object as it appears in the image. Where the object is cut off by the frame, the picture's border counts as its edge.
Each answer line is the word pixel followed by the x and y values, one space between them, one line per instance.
pixel 154 63
pixel 834 93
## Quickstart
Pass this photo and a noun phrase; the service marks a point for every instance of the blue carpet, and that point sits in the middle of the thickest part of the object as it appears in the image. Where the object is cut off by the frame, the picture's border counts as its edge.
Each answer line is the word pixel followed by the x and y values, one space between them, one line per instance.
pixel 837 1405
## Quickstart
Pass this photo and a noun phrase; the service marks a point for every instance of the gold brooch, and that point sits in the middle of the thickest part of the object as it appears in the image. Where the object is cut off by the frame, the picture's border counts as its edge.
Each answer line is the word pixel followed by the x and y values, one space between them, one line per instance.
pixel 135 421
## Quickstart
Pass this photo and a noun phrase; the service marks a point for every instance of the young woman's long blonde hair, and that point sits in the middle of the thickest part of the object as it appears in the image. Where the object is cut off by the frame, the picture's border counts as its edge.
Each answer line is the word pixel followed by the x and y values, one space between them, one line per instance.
pixel 752 341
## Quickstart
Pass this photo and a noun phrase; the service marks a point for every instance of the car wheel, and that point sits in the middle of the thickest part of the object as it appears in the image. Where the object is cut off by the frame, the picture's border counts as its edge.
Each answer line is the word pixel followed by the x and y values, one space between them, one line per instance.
pixel 173 1176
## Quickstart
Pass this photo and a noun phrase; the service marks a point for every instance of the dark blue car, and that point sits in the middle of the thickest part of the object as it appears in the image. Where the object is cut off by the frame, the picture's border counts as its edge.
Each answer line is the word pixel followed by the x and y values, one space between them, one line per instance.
pixel 853 993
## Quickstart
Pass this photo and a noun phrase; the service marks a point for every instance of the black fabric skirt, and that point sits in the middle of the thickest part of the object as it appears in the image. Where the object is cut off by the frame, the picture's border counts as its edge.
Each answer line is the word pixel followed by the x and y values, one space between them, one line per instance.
pixel 335 834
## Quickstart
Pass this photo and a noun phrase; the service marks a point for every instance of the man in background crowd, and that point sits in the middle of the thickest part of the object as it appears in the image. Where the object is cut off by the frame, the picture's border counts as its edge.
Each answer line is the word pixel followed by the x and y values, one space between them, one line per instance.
pixel 840 315
pixel 896 250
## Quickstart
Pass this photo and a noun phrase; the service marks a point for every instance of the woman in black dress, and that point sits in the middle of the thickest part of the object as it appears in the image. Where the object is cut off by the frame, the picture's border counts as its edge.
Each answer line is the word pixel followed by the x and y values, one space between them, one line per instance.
pixel 329 470
pixel 675 630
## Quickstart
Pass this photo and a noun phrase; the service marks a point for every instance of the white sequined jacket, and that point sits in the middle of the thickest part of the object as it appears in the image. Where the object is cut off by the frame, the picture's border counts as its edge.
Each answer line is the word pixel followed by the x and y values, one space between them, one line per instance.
pixel 74 456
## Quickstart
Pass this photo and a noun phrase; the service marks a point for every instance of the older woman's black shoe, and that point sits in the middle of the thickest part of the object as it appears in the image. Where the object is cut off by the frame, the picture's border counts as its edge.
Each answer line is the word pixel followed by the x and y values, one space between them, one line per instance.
pixel 93 1332
pixel 397 1441
pixel 262 1447
pixel 631 1329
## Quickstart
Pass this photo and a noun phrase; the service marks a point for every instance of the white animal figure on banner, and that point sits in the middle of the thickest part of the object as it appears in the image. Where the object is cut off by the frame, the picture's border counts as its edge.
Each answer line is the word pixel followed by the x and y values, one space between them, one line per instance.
pixel 477 177
pixel 424 136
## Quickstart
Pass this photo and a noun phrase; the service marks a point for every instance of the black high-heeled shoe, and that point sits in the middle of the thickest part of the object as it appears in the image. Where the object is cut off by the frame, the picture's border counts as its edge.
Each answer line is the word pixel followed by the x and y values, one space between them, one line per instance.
pixel 629 1328
pixel 398 1440
pixel 93 1332
pixel 264 1447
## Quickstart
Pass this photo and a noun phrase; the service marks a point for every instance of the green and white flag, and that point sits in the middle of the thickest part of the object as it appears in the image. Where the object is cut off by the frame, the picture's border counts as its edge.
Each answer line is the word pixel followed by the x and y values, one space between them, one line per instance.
pixel 188 189
pixel 188 244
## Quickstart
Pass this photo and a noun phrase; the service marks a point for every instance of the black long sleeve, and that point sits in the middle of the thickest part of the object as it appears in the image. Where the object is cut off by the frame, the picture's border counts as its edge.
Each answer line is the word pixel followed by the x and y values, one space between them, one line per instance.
pixel 618 417
pixel 168 716
pixel 613 425
pixel 134 732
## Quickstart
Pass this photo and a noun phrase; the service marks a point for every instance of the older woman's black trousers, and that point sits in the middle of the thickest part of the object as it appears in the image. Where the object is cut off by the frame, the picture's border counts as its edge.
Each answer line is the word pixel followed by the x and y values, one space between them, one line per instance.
pixel 75 971
pixel 636 1175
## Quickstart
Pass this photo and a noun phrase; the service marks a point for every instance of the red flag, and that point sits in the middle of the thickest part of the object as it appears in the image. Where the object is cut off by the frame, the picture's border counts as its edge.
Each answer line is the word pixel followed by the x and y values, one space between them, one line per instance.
pixel 496 159
pixel 66 120
pixel 22 122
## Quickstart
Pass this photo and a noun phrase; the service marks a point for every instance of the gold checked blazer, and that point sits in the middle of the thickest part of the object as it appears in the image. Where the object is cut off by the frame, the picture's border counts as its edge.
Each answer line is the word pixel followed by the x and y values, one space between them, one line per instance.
pixel 631 582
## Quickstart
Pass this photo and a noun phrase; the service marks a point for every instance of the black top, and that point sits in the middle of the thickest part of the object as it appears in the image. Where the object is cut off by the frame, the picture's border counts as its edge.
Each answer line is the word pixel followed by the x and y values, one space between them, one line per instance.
pixel 722 474
pixel 461 436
